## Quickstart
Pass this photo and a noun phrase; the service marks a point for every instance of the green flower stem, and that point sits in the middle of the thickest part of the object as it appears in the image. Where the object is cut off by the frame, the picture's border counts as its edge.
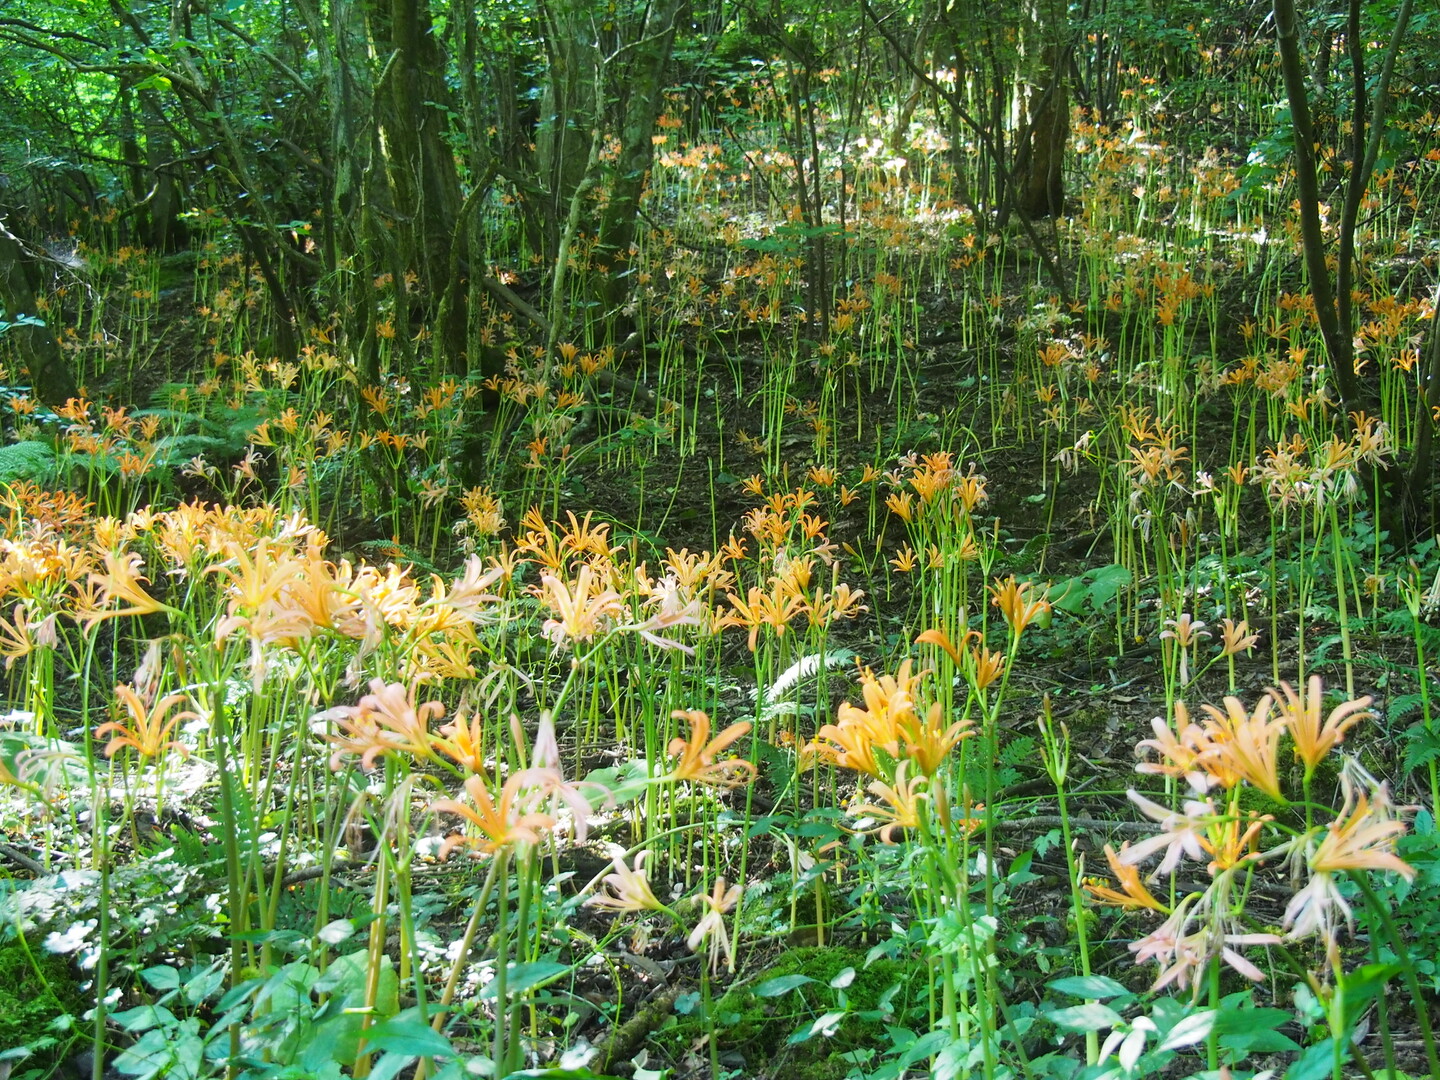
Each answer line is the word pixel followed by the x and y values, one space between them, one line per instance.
pixel 1407 967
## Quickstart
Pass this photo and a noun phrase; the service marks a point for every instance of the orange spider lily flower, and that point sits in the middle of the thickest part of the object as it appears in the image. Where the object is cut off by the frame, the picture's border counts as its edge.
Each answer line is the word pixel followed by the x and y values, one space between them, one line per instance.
pixel 1018 604
pixel 697 762
pixel 900 803
pixel 936 636
pixel 904 561
pixel 1244 745
pixel 463 742
pixel 506 824
pixel 890 722
pixel 1301 713
pixel 148 729
pixel 985 666
pixel 121 581
pixel 1234 841
pixel 761 609
pixel 928 741
pixel 1132 893
pixel 583 538
pixel 901 503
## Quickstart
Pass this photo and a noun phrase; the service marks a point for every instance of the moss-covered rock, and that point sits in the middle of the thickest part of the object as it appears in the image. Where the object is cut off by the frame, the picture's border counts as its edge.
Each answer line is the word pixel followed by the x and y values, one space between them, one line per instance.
pixel 30 1001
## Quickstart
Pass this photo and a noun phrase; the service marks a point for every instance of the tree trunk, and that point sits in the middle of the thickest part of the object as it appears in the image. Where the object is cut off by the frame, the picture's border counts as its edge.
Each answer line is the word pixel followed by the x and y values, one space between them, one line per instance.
pixel 50 377
pixel 1044 120
pixel 640 82
pixel 1042 179
pixel 410 99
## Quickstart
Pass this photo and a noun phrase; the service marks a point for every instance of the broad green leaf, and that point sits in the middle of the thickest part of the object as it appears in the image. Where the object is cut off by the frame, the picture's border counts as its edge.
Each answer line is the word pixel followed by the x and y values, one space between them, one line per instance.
pixel 144 1017
pixel 1092 1016
pixel 1316 1063
pixel 781 985
pixel 149 1057
pixel 1088 986
pixel 161 977
pixel 1189 1031
pixel 522 977
pixel 409 1035
pixel 826 1024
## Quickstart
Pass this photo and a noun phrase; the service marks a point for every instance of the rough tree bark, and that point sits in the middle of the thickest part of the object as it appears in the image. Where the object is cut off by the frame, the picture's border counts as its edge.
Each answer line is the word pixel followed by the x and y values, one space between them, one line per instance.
pixel 50 376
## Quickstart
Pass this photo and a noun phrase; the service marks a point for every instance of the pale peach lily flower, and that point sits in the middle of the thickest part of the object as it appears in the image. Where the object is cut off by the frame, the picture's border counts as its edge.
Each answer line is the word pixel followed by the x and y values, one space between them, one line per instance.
pixel 1187 633
pixel 1172 948
pixel 629 888
pixel 386 720
pixel 551 782
pixel 122 580
pixel 469 594
pixel 1180 748
pixel 1185 955
pixel 1184 833
pixel 1185 630
pixel 670 606
pixel 1358 839
pixel 712 923
pixel 583 609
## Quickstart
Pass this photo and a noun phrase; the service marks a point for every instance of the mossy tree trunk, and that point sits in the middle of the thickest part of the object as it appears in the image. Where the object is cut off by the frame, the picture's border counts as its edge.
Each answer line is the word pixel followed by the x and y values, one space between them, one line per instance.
pixel 411 113
pixel 50 376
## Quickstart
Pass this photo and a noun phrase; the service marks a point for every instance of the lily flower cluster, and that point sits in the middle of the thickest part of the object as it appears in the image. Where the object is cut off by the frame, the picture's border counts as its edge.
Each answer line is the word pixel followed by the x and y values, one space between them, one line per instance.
pixel 536 800
pixel 1217 758
pixel 897 741
pixel 628 887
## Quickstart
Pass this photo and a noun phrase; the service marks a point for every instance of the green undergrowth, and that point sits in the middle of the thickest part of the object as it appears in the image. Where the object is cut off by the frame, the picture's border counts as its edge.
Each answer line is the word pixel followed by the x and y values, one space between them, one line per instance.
pixel 813 1009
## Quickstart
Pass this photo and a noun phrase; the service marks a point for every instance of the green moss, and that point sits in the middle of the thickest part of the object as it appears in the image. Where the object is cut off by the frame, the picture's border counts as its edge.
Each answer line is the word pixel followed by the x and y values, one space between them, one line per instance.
pixel 28 1004
pixel 759 1027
